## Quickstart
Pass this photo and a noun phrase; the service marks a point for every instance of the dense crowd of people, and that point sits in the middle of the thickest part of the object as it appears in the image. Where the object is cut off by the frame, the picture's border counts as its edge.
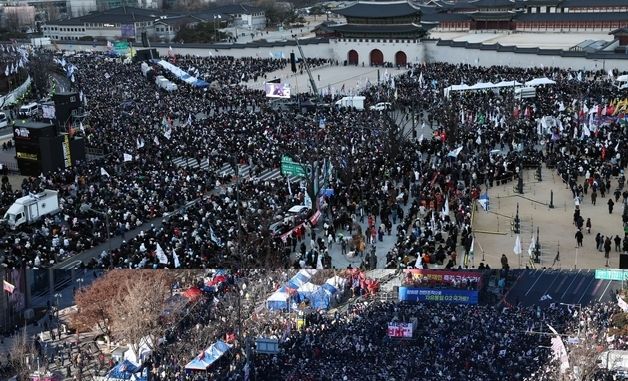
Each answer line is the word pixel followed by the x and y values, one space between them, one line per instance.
pixel 383 173
pixel 449 341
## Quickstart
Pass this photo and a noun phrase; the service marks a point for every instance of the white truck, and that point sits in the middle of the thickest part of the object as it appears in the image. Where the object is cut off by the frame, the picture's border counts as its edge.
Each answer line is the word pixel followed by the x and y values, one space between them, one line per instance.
pixel 355 101
pixel 31 208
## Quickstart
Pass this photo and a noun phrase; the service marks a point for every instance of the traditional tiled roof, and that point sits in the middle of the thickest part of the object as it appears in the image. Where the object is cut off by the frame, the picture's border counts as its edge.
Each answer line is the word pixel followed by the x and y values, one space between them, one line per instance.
pixel 581 17
pixel 492 15
pixel 492 3
pixel 591 3
pixel 376 29
pixel 378 9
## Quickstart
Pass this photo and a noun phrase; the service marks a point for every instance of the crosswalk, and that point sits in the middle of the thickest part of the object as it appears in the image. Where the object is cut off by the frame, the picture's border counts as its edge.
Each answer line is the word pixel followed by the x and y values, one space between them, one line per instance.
pixel 246 171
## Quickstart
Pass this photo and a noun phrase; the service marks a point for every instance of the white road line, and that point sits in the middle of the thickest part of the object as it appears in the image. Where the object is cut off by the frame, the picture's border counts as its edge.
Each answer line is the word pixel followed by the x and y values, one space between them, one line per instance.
pixel 537 279
pixel 569 287
pixel 606 289
pixel 584 292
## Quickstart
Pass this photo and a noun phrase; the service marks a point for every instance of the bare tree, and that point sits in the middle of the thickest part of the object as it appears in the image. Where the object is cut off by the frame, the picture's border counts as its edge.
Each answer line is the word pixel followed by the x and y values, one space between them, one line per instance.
pixel 23 354
pixel 139 313
pixel 94 303
pixel 40 68
pixel 11 19
pixel 52 12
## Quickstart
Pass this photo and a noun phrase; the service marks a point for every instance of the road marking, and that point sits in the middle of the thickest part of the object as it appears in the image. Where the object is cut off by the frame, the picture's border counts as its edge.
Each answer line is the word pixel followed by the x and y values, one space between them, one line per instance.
pixel 71 265
pixel 579 285
pixel 550 286
pixel 606 289
pixel 537 279
pixel 585 290
pixel 568 287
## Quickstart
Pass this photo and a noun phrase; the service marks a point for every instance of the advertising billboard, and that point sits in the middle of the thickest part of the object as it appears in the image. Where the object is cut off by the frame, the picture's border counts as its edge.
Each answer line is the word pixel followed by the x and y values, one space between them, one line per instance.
pixel 277 90
pixel 415 294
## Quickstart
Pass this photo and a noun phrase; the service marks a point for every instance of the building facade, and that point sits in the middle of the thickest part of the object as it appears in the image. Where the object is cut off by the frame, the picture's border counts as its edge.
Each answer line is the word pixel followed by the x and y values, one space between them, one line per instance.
pixel 130 22
pixel 527 15
pixel 379 33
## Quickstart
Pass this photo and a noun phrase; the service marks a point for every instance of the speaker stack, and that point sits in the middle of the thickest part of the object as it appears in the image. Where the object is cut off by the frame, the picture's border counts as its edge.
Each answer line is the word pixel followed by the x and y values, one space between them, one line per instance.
pixel 623 261
pixel 65 103
pixel 39 149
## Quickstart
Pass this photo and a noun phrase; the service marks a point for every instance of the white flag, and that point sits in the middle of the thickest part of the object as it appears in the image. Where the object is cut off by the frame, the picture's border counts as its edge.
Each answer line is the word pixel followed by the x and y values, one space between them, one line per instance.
pixel 175 257
pixel 532 247
pixel 156 141
pixel 103 172
pixel 81 127
pixel 517 248
pixel 472 249
pixel 139 142
pixel 289 188
pixel 163 259
pixel 455 152
pixel 128 157
pixel 445 209
pixel 319 262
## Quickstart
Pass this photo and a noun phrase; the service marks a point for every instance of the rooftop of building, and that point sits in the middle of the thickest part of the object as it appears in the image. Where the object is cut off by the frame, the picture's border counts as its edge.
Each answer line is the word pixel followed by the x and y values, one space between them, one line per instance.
pixel 379 9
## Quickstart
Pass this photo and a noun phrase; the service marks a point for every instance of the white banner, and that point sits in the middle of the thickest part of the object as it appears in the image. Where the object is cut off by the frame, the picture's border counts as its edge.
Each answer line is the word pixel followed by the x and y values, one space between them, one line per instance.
pixel 399 329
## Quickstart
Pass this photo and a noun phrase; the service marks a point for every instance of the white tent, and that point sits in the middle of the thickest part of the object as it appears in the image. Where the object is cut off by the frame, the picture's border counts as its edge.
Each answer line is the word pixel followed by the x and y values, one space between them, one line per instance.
pixel 540 81
pixel 144 350
pixel 455 88
pixel 337 282
pixel 623 78
pixel 482 86
pixel 508 84
pixel 309 288
pixel 278 300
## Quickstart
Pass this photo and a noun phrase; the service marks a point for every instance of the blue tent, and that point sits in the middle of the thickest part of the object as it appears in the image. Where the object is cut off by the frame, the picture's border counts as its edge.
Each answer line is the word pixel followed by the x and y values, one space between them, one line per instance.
pixel 125 370
pixel 209 356
pixel 321 299
pixel 278 300
pixel 298 280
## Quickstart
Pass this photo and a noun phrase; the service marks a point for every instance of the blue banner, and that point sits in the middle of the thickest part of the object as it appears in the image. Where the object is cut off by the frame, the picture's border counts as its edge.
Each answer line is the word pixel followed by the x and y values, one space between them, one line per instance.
pixel 415 294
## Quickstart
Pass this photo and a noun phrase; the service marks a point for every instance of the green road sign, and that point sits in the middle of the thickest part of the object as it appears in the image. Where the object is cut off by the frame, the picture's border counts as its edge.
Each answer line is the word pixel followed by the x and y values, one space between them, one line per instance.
pixel 290 168
pixel 121 47
pixel 611 274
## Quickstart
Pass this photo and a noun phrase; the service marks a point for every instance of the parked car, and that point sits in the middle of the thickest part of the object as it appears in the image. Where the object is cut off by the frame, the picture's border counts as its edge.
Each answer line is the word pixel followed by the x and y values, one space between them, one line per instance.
pixel 381 106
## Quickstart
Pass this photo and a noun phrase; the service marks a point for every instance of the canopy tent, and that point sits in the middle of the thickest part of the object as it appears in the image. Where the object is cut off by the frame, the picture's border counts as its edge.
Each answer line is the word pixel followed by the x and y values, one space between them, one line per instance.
pixel 208 356
pixel 182 74
pixel 192 293
pixel 322 298
pixel 337 282
pixel 508 84
pixel 306 290
pixel 460 87
pixel 144 350
pixel 540 81
pixel 126 370
pixel 623 78
pixel 278 300
pixel 300 279
pixel 481 86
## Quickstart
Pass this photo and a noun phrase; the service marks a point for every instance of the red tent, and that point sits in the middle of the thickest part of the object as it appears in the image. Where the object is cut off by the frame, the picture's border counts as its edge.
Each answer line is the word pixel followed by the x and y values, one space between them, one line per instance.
pixel 216 280
pixel 192 293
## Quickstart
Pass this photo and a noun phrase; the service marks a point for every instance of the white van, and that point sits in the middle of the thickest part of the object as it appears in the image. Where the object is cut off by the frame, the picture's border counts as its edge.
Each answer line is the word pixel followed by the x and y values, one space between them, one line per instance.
pixel 29 110
pixel 4 121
